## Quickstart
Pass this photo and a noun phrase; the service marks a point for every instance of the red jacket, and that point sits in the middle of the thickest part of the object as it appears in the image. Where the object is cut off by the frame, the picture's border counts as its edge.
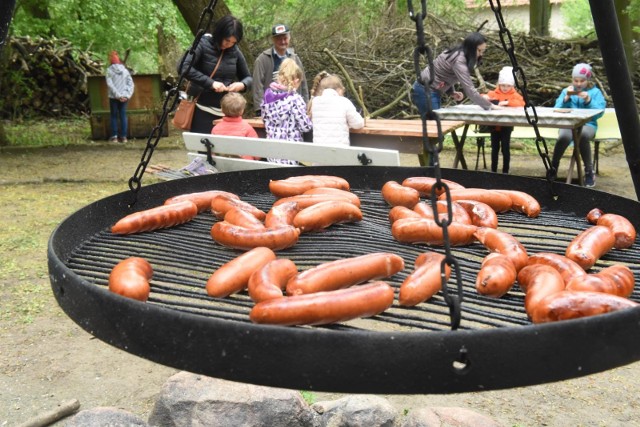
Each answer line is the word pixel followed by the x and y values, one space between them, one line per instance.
pixel 235 126
pixel 514 98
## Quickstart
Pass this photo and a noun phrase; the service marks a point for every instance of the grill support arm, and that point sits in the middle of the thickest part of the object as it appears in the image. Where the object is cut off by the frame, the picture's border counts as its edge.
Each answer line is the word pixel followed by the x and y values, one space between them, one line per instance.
pixel 615 64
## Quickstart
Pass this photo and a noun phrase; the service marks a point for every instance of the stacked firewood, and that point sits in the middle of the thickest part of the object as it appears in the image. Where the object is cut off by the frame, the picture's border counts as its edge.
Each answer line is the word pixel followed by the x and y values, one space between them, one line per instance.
pixel 45 77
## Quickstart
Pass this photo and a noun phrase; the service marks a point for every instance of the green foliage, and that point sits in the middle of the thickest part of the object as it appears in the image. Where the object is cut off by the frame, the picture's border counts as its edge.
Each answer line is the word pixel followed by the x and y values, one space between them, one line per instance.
pixel 308 397
pixel 105 25
pixel 48 132
pixel 578 19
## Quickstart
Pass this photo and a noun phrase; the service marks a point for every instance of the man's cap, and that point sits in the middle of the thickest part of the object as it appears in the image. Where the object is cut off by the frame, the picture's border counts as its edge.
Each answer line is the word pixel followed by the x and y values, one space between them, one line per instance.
pixel 279 29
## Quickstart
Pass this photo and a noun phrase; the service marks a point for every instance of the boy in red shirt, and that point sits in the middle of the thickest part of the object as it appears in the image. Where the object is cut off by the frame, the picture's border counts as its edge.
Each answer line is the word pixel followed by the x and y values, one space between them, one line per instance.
pixel 232 124
pixel 504 95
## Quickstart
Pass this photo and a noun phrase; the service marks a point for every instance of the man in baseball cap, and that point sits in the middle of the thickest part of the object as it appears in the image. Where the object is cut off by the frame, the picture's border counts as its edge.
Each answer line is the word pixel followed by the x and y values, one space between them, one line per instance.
pixel 266 66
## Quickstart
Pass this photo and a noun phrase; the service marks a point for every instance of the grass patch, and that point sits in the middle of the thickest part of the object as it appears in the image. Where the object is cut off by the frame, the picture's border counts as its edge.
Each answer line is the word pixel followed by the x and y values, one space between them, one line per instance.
pixel 48 132
pixel 28 301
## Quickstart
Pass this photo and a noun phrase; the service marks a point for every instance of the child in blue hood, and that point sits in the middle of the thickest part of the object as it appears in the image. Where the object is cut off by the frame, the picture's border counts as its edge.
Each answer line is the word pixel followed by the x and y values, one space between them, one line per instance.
pixel 284 111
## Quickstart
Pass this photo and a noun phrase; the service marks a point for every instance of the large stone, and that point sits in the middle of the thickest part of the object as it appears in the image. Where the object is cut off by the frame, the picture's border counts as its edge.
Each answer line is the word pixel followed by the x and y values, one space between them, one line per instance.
pixel 105 417
pixel 356 411
pixel 189 400
pixel 447 417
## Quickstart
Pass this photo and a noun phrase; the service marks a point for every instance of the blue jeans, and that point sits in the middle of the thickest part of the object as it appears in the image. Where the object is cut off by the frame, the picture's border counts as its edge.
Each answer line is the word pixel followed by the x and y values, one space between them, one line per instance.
pixel 419 99
pixel 118 112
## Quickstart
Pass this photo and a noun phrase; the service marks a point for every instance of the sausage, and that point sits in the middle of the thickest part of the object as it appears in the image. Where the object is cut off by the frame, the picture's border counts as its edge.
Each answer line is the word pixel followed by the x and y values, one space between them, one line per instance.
pixel 345 272
pixel 397 212
pixel 458 213
pixel 281 215
pixel 164 216
pixel 481 214
pixel 576 304
pixel 538 281
pixel 424 209
pixel 325 214
pixel 593 215
pixel 567 268
pixel 269 281
pixel 499 202
pixel 623 230
pixel 325 307
pixel 424 184
pixel 130 278
pixel 245 239
pixel 295 185
pixel 398 195
pixel 504 243
pixel 523 202
pixel 423 230
pixel 234 276
pixel 221 203
pixel 615 280
pixel 496 276
pixel 425 281
pixel 353 198
pixel 590 245
pixel 306 200
pixel 243 218
pixel 201 199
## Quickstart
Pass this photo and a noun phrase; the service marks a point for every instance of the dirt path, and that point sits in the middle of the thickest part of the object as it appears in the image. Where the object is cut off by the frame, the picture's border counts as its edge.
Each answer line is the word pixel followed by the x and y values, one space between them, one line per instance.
pixel 46 359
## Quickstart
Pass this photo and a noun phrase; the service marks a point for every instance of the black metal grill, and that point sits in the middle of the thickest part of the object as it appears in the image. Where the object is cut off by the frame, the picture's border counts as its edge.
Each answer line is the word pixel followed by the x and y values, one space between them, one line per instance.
pixel 200 333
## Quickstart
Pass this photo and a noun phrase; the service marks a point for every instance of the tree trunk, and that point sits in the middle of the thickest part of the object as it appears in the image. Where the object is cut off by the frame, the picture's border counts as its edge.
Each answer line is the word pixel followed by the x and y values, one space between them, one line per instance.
pixel 6 12
pixel 539 16
pixel 626 32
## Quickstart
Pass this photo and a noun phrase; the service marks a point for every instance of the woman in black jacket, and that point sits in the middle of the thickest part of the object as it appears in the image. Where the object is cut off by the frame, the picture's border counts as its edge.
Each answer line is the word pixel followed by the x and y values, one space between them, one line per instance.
pixel 232 74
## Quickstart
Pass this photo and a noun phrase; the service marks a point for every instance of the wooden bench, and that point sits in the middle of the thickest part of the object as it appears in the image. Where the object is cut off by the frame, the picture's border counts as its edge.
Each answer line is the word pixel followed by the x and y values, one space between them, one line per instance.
pixel 216 149
pixel 608 131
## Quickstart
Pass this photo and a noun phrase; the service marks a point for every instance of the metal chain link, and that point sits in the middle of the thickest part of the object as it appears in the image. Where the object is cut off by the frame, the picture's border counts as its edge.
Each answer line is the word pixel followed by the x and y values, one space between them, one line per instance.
pixel 169 104
pixel 521 85
pixel 453 301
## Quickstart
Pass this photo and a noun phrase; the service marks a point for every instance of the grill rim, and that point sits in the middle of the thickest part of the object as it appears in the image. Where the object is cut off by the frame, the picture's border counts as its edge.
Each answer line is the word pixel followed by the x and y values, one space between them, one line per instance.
pixel 362 361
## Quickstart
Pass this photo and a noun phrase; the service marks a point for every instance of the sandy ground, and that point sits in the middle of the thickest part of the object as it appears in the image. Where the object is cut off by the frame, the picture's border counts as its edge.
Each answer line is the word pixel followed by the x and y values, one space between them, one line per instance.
pixel 46 359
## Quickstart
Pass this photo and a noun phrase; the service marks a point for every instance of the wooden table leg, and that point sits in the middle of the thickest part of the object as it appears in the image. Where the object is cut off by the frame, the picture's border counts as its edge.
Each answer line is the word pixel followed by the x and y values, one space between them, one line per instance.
pixel 459 144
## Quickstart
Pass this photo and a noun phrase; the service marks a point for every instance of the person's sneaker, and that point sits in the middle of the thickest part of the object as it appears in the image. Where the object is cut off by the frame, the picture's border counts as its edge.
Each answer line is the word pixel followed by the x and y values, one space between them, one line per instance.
pixel 123 140
pixel 113 139
pixel 589 179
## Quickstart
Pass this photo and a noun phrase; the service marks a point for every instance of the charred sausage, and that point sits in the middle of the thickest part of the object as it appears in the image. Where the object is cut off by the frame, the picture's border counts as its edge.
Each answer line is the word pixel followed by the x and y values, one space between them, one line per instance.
pixel 481 214
pixel 590 245
pixel 616 279
pixel 566 305
pixel 496 276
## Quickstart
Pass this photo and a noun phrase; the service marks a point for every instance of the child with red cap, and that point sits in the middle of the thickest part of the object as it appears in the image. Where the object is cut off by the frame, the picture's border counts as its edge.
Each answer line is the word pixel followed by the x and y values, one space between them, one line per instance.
pixel 120 90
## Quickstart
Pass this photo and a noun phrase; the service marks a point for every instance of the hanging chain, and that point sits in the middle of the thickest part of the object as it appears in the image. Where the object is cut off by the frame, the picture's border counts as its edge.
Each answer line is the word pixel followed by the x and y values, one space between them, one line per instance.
pixel 170 102
pixel 521 85
pixel 453 301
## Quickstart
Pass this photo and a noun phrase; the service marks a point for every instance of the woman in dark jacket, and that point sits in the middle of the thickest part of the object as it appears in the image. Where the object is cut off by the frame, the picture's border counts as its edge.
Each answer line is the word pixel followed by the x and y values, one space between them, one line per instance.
pixel 232 74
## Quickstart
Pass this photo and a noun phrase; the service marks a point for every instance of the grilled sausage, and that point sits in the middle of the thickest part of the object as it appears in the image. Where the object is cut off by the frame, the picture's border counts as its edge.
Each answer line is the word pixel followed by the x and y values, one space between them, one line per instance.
pixel 523 202
pixel 345 272
pixel 353 198
pixel 397 212
pixel 201 199
pixel 325 214
pixel 234 276
pixel 245 239
pixel 593 215
pixel 623 230
pixel 615 280
pixel 398 195
pixel 590 245
pixel 295 185
pixel 458 213
pixel 566 305
pixel 424 184
pixel 425 281
pixel 325 307
pixel 281 215
pixel 423 230
pixel 306 200
pixel 269 281
pixel 221 203
pixel 504 243
pixel 567 268
pixel 496 276
pixel 424 209
pixel 130 278
pixel 164 216
pixel 481 214
pixel 243 218
pixel 499 202
pixel 538 281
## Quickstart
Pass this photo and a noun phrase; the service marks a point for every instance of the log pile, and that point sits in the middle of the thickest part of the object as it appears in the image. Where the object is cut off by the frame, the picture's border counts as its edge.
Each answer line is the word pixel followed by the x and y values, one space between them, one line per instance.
pixel 45 77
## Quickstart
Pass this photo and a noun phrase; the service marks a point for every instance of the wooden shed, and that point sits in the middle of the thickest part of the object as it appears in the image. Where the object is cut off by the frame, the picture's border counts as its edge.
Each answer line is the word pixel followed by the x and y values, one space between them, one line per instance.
pixel 144 108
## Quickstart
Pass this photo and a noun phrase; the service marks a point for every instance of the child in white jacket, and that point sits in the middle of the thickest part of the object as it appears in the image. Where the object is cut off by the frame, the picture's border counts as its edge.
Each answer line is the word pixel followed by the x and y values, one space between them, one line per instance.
pixel 332 114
